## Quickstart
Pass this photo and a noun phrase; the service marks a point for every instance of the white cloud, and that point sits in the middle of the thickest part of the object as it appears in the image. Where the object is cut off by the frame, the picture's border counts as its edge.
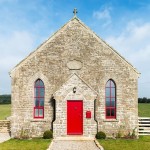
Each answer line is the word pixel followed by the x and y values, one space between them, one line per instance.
pixel 17 43
pixel 103 14
pixel 133 43
pixel 134 40
pixel 13 48
pixel 22 28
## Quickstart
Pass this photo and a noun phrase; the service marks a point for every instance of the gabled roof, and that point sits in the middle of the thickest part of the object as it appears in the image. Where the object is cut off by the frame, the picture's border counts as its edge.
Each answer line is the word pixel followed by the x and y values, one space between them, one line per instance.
pixel 61 29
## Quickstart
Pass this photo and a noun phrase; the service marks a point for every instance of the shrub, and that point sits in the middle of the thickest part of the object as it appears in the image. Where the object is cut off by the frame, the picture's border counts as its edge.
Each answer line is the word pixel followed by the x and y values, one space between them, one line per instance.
pixel 100 135
pixel 47 134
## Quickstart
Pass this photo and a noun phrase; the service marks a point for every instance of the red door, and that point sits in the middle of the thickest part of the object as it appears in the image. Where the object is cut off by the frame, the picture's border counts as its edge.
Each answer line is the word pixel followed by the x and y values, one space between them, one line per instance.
pixel 74 117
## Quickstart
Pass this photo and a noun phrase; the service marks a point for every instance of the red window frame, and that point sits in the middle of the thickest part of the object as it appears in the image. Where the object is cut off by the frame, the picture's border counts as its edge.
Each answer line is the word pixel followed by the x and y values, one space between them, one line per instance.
pixel 39 98
pixel 110 97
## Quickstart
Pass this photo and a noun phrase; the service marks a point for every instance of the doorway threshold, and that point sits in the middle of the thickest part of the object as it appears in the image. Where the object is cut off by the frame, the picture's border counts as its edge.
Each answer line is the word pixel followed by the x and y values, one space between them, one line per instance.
pixel 75 138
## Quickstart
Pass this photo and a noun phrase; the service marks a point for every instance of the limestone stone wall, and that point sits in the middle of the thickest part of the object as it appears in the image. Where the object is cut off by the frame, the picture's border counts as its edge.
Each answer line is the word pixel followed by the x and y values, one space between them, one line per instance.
pixel 126 110
pixel 23 106
pixel 93 61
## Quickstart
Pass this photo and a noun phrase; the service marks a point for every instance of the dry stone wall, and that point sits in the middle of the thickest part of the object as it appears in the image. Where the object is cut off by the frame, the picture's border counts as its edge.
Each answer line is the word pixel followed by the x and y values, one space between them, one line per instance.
pixel 4 126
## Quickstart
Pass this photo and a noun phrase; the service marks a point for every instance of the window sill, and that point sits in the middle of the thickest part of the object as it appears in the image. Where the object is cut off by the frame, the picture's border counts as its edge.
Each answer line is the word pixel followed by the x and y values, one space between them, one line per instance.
pixel 110 120
pixel 37 120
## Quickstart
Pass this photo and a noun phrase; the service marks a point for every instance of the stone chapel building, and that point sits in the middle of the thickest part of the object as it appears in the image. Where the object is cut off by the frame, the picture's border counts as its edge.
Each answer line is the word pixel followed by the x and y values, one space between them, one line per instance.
pixel 75 84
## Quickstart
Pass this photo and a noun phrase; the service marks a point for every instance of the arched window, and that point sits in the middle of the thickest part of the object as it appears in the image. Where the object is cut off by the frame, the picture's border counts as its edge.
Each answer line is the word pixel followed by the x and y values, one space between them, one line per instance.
pixel 110 98
pixel 39 92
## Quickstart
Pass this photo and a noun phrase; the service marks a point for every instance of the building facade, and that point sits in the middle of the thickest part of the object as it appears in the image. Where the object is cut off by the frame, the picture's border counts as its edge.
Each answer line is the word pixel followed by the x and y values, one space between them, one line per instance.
pixel 75 84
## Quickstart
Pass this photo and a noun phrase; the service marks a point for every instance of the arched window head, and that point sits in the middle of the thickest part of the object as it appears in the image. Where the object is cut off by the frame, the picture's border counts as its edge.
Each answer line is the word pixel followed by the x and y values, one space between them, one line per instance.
pixel 110 99
pixel 39 93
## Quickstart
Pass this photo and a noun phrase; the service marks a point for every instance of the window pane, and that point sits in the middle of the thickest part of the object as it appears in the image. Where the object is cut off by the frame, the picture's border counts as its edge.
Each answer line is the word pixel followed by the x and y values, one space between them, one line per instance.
pixel 37 83
pixel 108 112
pixel 41 92
pixel 40 112
pixel 107 92
pixel 36 112
pixel 36 92
pixel 112 112
pixel 108 102
pixel 113 102
pixel 41 83
pixel 112 92
pixel 41 102
pixel 112 84
pixel 108 84
pixel 36 102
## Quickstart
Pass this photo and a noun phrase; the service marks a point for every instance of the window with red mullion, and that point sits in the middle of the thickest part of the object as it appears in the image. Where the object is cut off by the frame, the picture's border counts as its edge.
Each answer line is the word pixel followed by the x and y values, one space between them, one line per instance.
pixel 110 94
pixel 39 91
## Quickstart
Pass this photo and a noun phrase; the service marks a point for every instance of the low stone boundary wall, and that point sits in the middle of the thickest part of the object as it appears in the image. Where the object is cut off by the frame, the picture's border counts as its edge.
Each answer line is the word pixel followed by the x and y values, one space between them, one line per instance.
pixel 4 126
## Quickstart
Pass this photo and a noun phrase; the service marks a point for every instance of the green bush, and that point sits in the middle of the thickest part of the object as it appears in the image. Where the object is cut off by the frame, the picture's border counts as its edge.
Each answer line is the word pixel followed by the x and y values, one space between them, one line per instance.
pixel 48 134
pixel 100 135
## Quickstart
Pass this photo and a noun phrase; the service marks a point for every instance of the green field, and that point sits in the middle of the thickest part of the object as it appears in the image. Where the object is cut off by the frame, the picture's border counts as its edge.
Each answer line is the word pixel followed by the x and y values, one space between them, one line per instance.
pixel 33 144
pixel 4 111
pixel 144 110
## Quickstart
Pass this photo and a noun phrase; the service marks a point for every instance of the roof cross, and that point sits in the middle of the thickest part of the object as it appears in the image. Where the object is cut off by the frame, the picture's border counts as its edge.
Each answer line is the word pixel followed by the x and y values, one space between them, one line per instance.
pixel 75 11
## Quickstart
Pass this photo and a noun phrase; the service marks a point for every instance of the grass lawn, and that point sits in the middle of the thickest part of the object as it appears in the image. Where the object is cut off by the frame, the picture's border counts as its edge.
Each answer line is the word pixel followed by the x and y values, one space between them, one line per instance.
pixel 34 144
pixel 143 143
pixel 4 111
pixel 144 110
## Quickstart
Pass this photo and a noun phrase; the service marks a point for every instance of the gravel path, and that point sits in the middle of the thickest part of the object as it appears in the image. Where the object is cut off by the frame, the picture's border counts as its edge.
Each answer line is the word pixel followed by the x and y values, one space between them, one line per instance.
pixel 73 145
pixel 4 137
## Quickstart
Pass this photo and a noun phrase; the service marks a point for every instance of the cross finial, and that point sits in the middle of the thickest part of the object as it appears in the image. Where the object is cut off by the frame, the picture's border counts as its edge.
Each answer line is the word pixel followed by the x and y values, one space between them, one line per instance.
pixel 75 12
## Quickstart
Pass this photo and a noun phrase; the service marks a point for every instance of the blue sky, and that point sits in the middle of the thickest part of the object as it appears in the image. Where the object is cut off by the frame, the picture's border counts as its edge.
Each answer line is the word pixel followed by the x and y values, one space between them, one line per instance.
pixel 123 24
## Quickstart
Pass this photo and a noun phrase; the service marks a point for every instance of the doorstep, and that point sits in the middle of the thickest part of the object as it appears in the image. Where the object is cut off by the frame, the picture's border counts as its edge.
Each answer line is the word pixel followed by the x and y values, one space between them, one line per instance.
pixel 75 138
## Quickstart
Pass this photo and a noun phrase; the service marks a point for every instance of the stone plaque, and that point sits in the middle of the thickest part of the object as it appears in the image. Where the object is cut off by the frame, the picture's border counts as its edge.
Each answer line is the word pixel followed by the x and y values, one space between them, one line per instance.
pixel 74 65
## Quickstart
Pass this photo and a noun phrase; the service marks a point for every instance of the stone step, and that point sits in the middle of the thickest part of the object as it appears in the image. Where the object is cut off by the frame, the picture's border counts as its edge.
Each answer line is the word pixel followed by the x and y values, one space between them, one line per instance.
pixel 74 138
